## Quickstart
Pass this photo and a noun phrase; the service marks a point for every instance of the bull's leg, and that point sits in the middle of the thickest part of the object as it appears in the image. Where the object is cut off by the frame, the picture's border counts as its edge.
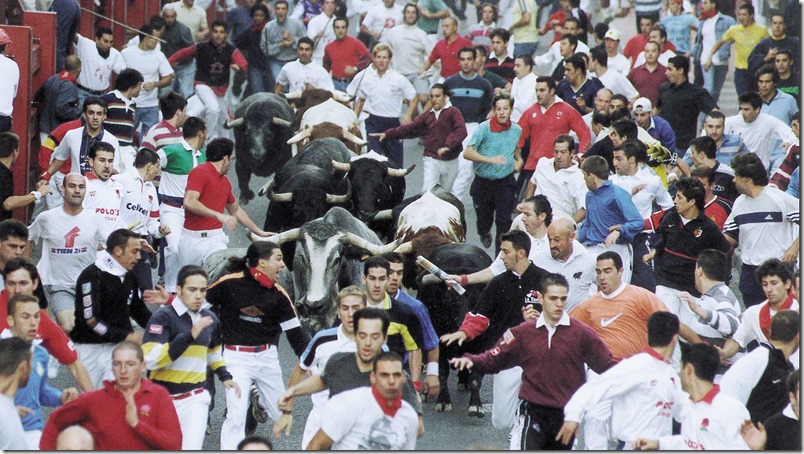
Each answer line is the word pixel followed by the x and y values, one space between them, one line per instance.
pixel 475 404
pixel 243 179
pixel 463 380
pixel 444 402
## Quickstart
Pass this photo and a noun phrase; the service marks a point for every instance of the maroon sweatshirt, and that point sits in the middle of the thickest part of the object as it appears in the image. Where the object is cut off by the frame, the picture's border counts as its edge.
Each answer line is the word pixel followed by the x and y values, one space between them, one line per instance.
pixel 103 413
pixel 550 375
pixel 448 131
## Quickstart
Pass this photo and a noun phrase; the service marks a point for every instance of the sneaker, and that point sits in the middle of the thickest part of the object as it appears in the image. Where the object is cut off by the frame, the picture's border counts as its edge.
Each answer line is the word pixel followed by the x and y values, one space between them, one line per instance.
pixel 256 409
pixel 485 240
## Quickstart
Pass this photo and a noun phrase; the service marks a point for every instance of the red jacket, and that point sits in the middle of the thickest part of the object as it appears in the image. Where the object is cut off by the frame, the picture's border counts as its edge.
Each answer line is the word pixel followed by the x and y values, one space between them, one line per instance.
pixel 103 414
pixel 542 129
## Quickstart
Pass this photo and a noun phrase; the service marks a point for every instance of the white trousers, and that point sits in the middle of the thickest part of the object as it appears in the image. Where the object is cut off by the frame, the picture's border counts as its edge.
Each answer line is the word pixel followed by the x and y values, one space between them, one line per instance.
pixel 440 172
pixel 466 168
pixel 33 437
pixel 172 217
pixel 193 413
pixel 505 392
pixel 97 358
pixel 195 248
pixel 625 252
pixel 246 368
pixel 216 111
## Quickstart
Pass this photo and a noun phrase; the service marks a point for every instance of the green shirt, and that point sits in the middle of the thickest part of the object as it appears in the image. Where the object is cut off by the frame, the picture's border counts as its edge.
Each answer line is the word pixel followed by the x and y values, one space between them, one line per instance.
pixel 434 7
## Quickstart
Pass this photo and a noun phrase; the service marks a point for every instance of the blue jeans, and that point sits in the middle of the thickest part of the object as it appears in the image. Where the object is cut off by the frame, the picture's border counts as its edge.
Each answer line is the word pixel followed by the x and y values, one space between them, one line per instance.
pixel 339 85
pixel 276 68
pixel 525 49
pixel 183 82
pixel 388 147
pixel 256 80
pixel 714 79
pixel 742 81
pixel 145 117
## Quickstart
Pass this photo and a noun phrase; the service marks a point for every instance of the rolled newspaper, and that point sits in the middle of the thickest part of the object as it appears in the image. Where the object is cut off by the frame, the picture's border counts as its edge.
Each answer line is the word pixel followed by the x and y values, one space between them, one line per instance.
pixel 439 273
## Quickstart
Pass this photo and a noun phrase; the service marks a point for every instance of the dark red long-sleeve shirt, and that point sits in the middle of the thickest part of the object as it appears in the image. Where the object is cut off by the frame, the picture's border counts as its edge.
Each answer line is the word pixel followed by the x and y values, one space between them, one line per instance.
pixel 103 413
pixel 551 373
pixel 448 130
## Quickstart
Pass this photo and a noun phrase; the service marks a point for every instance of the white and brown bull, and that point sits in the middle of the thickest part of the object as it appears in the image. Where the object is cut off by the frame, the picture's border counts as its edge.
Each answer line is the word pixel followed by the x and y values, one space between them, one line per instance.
pixel 322 114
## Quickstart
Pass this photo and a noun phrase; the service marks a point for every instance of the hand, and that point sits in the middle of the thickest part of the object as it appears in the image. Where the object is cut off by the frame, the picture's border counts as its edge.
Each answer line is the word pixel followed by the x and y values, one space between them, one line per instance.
pixel 642 444
pixel 200 325
pixel 22 411
pixel 638 188
pixel 263 233
pixel 518 164
pixel 286 401
pixel 611 239
pixel 229 222
pixel 157 296
pixel 41 183
pixel 529 313
pixel 694 306
pixel 235 67
pixel 461 363
pixel 135 336
pixel 148 86
pixel 671 177
pixel 771 53
pixel 755 437
pixel 431 387
pixel 499 160
pixel 707 65
pixel 230 384
pixel 459 336
pixel 581 103
pixel 648 257
pixel 568 430
pixel 615 227
pixel 791 254
pixel 44 189
pixel 146 246
pixel 68 395
pixel 379 135
pixel 164 230
pixel 723 359
pixel 442 151
pixel 350 71
pixel 406 120
pixel 131 410
pixel 283 424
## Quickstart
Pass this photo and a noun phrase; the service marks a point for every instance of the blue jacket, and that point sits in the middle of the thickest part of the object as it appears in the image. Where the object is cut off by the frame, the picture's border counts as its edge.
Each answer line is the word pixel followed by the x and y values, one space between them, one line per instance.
pixel 721 25
pixel 606 206
pixel 37 392
pixel 418 308
pixel 661 130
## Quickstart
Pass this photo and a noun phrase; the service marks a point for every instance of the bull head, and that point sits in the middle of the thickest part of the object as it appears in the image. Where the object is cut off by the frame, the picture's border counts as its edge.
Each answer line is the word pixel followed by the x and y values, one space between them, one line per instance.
pixel 240 121
pixel 307 132
pixel 400 172
pixel 332 199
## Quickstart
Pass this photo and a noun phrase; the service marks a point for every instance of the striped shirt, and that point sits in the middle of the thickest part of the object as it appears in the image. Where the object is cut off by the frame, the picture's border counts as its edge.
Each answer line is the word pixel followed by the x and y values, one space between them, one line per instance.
pixel 177 160
pixel 120 117
pixel 176 360
pixel 161 135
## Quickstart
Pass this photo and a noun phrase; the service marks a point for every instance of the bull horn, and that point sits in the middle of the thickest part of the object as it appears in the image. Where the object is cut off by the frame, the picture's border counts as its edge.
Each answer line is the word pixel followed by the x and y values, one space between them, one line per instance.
pixel 353 138
pixel 333 199
pixel 405 248
pixel 266 187
pixel 383 215
pixel 342 166
pixel 400 172
pixel 374 249
pixel 341 96
pixel 301 135
pixel 234 123
pixel 284 237
pixel 281 122
pixel 293 95
pixel 281 197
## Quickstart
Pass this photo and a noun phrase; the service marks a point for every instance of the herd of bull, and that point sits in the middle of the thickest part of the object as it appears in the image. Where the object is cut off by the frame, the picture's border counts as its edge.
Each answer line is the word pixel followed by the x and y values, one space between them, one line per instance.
pixel 333 207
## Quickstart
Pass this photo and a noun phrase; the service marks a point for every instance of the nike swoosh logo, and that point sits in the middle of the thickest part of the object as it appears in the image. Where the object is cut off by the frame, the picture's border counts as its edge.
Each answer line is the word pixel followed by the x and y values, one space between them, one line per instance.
pixel 776 381
pixel 604 323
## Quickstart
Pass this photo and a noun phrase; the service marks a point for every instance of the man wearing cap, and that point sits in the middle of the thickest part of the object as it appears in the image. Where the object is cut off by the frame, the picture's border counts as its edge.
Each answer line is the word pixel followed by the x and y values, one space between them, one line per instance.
pixel 10 75
pixel 657 127
pixel 616 61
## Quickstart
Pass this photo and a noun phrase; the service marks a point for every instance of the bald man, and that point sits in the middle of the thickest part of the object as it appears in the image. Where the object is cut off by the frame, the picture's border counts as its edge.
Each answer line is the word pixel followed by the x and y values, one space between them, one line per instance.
pixel 570 258
pixel 75 438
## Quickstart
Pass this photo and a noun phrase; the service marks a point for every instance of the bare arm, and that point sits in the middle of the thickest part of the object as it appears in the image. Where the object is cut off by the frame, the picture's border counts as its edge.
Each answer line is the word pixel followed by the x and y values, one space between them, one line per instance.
pixel 529 190
pixel 415 362
pixel 244 219
pixel 81 376
pixel 359 105
pixel 320 442
pixel 579 215
pixel 408 117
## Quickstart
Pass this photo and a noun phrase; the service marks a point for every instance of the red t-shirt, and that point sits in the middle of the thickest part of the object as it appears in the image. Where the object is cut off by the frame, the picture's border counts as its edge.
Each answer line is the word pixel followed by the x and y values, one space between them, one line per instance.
pixel 340 54
pixel 448 53
pixel 53 338
pixel 216 193
pixel 53 139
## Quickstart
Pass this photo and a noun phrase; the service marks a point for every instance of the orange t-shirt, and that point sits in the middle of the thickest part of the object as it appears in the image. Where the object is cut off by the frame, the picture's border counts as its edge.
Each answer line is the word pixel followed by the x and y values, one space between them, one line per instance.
pixel 621 321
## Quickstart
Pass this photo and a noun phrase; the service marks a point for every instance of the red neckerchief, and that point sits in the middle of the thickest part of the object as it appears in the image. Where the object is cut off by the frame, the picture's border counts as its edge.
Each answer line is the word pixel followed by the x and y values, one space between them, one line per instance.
pixel 256 27
pixel 765 318
pixel 710 395
pixel 655 354
pixel 65 75
pixel 708 14
pixel 496 126
pixel 262 278
pixel 387 407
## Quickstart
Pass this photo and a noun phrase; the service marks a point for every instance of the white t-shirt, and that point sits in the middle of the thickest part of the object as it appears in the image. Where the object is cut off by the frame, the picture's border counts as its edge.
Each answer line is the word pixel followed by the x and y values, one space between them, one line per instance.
pixel 539 249
pixel 411 48
pixel 95 70
pixel 760 135
pixel 749 329
pixel 579 270
pixel 10 75
pixel 765 226
pixel 384 94
pixel 619 63
pixel 355 421
pixel 712 423
pixel 379 17
pixel 139 210
pixel 523 92
pixel 153 65
pixel 314 27
pixel 709 40
pixel 69 244
pixel 12 435
pixel 565 188
pixel 618 84
pixel 654 191
pixel 295 75
pixel 104 199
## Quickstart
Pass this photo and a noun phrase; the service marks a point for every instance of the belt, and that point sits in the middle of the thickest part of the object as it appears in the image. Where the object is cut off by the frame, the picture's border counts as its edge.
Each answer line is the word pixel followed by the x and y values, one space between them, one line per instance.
pixel 201 233
pixel 187 394
pixel 171 204
pixel 343 80
pixel 248 349
pixel 94 92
